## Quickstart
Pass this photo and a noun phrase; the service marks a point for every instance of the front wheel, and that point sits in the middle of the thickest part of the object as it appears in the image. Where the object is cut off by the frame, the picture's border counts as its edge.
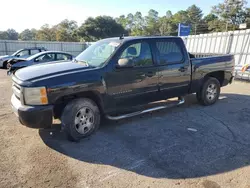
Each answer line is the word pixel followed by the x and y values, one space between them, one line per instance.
pixel 5 65
pixel 81 118
pixel 210 92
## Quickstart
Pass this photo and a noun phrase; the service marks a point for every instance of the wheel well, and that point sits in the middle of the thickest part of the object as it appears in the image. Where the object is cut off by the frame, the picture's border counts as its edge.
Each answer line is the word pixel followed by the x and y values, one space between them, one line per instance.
pixel 5 63
pixel 219 75
pixel 63 101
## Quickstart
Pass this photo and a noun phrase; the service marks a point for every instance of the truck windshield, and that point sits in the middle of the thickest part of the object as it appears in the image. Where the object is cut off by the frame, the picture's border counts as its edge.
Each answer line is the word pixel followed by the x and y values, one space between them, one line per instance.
pixel 98 53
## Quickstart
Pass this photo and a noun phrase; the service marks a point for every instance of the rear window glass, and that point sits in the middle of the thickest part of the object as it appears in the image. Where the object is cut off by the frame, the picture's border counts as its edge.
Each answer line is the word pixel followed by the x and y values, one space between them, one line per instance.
pixel 169 52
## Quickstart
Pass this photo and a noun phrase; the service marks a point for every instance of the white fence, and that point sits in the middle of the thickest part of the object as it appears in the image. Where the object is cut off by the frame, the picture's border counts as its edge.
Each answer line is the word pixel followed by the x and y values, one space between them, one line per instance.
pixel 8 47
pixel 232 42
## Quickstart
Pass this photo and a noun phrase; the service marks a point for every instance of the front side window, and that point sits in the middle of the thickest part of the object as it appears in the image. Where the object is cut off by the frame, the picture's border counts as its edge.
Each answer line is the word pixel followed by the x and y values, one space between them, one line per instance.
pixel 45 58
pixel 23 53
pixel 169 52
pixel 139 53
pixel 98 53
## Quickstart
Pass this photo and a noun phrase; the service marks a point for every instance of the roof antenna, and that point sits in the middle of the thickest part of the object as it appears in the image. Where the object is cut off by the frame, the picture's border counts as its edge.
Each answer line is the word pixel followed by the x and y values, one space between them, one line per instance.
pixel 122 37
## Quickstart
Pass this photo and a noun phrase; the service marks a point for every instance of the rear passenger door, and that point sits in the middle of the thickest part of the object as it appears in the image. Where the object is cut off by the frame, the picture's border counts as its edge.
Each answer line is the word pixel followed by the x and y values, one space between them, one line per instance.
pixel 174 68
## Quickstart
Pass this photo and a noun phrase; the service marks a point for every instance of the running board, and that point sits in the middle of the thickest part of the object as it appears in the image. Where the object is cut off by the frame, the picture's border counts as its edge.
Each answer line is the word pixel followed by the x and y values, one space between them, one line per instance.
pixel 180 101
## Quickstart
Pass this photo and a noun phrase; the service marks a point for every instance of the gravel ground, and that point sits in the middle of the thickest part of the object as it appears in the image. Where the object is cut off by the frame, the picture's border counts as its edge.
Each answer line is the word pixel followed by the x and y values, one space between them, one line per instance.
pixel 187 146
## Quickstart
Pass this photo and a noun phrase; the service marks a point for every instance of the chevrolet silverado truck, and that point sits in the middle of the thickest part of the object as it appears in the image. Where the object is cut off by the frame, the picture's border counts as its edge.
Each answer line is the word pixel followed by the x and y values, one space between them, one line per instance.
pixel 116 78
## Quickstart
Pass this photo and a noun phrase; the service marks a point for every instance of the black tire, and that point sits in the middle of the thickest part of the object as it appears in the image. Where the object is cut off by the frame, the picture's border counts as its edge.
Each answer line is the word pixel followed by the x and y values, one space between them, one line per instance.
pixel 5 65
pixel 203 95
pixel 71 111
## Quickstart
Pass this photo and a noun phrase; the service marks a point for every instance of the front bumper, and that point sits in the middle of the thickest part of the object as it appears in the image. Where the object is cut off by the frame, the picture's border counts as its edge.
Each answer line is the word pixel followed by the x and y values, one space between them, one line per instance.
pixel 37 117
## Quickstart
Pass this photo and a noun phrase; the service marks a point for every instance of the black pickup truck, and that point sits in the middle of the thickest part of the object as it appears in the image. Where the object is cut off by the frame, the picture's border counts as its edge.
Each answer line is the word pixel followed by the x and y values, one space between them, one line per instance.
pixel 115 78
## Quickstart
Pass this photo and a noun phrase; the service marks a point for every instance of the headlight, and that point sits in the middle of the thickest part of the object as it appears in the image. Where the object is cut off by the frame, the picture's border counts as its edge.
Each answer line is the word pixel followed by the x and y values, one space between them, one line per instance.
pixel 35 96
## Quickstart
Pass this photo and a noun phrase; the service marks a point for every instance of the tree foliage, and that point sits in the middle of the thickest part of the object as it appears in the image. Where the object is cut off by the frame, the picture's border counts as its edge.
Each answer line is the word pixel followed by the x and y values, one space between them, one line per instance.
pixel 66 31
pixel 231 11
pixel 28 34
pixel 46 33
pixel 12 34
pixel 100 27
pixel 223 17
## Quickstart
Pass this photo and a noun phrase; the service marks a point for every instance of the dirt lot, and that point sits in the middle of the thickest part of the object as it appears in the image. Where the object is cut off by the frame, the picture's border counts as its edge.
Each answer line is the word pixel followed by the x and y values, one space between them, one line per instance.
pixel 154 150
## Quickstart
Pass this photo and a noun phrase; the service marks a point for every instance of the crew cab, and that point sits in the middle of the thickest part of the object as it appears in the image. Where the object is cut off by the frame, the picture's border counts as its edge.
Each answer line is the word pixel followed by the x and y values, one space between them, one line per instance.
pixel 116 78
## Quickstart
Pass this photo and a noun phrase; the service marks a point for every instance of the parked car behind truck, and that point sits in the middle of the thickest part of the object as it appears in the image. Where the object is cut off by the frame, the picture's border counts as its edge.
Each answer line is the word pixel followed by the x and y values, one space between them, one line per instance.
pixel 23 53
pixel 43 57
pixel 112 76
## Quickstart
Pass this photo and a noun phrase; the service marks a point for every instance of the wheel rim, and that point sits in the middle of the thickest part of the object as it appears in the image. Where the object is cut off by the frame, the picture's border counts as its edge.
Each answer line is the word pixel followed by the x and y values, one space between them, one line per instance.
pixel 211 92
pixel 84 120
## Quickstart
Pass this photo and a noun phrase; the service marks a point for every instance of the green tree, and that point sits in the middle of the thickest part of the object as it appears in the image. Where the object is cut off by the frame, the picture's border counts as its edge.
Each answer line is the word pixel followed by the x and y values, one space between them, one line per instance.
pixel 12 34
pixel 28 34
pixel 3 35
pixel 46 33
pixel 212 22
pixel 194 14
pixel 100 27
pixel 138 24
pixel 152 19
pixel 166 25
pixel 181 17
pixel 122 20
pixel 231 11
pixel 66 31
pixel 130 22
pixel 210 17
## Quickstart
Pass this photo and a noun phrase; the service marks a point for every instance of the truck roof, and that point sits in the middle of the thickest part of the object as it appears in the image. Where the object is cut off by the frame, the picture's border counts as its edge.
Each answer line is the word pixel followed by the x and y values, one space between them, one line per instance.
pixel 129 38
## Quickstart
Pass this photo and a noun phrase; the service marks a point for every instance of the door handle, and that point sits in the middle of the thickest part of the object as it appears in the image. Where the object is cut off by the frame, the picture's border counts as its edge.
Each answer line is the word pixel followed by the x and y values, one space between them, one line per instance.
pixel 182 69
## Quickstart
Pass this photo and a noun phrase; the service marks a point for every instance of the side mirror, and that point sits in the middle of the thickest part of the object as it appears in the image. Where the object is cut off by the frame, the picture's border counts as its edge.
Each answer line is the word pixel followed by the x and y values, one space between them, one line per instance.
pixel 18 55
pixel 125 63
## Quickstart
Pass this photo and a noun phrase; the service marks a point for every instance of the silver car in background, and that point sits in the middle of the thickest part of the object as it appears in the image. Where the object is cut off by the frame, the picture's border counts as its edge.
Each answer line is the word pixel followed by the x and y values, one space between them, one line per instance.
pixel 23 53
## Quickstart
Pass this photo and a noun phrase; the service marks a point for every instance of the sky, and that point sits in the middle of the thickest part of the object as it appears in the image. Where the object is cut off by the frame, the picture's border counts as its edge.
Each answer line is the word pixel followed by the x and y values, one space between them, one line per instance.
pixel 22 14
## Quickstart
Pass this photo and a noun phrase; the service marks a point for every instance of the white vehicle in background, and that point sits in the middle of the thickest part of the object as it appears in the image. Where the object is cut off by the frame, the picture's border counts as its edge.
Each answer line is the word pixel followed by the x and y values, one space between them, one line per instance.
pixel 23 53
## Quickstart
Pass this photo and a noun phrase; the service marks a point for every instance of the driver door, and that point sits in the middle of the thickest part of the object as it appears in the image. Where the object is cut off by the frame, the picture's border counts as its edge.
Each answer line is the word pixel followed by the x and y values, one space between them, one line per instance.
pixel 128 87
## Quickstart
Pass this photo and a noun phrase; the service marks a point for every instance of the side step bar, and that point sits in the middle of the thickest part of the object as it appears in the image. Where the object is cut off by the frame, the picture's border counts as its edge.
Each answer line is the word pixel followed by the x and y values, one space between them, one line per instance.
pixel 180 101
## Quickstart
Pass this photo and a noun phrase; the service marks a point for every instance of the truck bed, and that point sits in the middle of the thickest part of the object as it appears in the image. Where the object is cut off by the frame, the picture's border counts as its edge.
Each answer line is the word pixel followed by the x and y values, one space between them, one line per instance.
pixel 222 65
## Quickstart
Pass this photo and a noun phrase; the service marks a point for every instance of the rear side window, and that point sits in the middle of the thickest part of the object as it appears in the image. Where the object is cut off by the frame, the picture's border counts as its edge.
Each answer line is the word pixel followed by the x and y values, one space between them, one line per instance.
pixel 32 52
pixel 45 58
pixel 63 57
pixel 169 52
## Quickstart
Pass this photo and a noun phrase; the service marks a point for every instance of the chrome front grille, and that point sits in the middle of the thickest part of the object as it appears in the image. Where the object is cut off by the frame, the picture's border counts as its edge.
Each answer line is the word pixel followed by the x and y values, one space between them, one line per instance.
pixel 16 90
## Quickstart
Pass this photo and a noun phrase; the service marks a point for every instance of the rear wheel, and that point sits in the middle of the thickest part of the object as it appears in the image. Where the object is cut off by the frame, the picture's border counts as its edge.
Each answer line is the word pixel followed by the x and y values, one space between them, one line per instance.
pixel 81 118
pixel 210 92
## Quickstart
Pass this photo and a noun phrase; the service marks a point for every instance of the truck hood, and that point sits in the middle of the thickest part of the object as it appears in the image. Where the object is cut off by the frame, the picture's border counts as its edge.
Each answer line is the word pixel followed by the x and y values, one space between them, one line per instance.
pixel 48 70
